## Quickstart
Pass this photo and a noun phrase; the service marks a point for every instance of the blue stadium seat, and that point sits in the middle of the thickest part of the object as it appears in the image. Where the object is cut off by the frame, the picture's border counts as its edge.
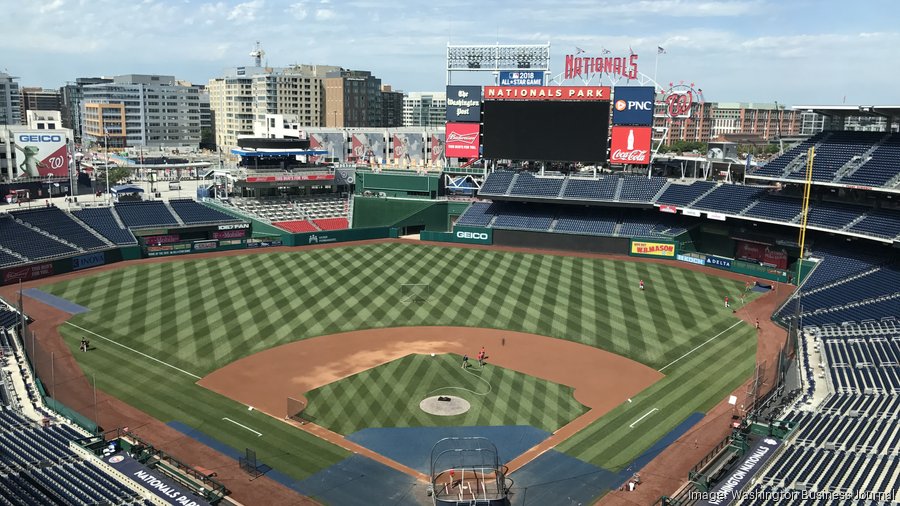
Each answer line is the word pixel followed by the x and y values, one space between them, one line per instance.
pixel 729 198
pixel 28 242
pixel 148 213
pixel 529 185
pixel 102 220
pixel 194 212
pixel 681 195
pixel 57 222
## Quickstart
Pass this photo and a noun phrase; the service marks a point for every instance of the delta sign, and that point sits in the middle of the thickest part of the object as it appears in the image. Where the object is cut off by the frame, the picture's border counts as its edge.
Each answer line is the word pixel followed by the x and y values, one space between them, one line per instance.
pixel 41 153
pixel 633 105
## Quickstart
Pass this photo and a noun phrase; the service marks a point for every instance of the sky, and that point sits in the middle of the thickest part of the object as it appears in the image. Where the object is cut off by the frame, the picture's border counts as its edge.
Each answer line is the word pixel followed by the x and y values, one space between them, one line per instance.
pixel 795 52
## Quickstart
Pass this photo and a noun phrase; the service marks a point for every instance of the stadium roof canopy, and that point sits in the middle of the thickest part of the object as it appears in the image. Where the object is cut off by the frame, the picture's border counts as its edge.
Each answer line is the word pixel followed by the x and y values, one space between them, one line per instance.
pixel 285 152
pixel 845 111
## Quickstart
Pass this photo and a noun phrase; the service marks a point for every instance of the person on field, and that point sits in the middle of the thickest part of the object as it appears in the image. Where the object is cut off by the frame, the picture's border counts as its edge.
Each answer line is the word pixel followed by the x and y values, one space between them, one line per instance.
pixel 726 302
pixel 481 356
pixel 465 363
pixel 642 285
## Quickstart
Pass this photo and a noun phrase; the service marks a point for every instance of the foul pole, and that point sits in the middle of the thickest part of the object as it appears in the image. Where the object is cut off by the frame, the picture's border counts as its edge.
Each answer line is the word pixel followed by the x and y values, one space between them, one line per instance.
pixel 811 155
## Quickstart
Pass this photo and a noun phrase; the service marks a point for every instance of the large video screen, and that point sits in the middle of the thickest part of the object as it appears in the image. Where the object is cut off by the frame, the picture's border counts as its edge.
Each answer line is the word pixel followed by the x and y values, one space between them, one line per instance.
pixel 545 130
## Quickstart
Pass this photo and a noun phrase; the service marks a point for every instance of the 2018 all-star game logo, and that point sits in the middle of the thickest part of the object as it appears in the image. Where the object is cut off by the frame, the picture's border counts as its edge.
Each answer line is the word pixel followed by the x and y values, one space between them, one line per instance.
pixel 680 99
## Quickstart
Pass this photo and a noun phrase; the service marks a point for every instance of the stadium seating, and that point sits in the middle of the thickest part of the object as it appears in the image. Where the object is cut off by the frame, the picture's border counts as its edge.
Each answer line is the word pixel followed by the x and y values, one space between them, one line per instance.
pixel 863 365
pixel 7 259
pixel 729 198
pixel 148 213
pixel 193 212
pixel 833 215
pixel 834 152
pixel 332 223
pixel 57 222
pixel 523 218
pixel 603 189
pixel 479 214
pixel 878 223
pixel 529 185
pixel 881 167
pixel 640 189
pixel 777 166
pixel 28 242
pixel 775 208
pixel 683 194
pixel 497 183
pixel 102 220
pixel 296 226
pixel 586 222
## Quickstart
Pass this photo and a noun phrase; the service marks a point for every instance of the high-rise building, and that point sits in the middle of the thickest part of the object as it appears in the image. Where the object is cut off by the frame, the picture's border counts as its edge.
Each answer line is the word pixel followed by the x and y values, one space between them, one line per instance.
pixel 10 111
pixel 424 108
pixel 391 107
pixel 71 96
pixel 142 110
pixel 712 120
pixel 245 95
pixel 43 120
pixel 39 99
pixel 353 99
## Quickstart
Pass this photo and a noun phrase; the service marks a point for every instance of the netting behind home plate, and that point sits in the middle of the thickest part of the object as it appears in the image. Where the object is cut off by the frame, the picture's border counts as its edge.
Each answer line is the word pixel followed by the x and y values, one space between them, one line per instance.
pixel 467 470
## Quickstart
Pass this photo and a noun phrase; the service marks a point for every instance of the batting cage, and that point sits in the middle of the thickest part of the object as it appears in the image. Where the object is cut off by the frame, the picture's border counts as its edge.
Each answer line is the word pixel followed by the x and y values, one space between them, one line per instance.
pixel 467 470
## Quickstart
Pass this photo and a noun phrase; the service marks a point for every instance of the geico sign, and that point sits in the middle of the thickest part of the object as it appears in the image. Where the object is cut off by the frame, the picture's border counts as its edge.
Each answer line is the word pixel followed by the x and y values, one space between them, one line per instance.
pixel 472 235
pixel 40 138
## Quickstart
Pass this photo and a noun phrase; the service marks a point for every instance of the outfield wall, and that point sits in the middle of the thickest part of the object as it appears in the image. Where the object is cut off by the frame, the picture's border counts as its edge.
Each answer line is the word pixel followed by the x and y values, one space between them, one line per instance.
pixel 432 215
pixel 38 270
pixel 565 242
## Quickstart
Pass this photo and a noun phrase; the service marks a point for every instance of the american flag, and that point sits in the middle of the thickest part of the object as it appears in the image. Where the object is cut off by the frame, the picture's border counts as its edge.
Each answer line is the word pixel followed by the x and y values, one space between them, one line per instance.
pixel 660 50
pixel 578 50
pixel 604 51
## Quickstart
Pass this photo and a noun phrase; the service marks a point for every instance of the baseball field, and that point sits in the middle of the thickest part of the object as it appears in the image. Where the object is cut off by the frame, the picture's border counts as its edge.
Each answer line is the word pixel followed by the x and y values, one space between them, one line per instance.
pixel 158 329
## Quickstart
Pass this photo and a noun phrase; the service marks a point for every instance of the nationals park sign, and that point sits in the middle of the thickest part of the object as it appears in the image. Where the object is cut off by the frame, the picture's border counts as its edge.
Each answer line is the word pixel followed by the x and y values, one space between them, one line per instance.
pixel 584 93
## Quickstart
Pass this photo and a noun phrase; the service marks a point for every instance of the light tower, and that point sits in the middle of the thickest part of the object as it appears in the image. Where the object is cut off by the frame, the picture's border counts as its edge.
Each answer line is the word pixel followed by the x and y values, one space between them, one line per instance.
pixel 257 54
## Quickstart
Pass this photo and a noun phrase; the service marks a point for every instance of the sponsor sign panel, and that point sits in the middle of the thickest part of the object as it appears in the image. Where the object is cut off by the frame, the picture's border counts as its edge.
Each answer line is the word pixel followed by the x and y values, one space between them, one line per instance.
pixel 720 262
pixel 668 209
pixel 409 148
pixel 588 93
pixel 653 249
pixel 462 140
pixel 699 259
pixel 41 153
pixel 437 148
pixel 85 261
pixel 169 249
pixel 473 235
pixel 690 212
pixel 205 245
pixel 332 142
pixel 716 216
pixel 234 226
pixel 27 272
pixel 463 103
pixel 160 486
pixel 367 147
pixel 727 490
pixel 161 239
pixel 256 243
pixel 633 105
pixel 229 234
pixel 521 78
pixel 630 145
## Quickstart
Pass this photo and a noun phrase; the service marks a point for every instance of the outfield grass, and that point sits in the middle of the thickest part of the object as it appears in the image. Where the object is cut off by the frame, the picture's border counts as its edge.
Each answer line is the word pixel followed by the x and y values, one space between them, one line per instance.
pixel 199 315
pixel 389 396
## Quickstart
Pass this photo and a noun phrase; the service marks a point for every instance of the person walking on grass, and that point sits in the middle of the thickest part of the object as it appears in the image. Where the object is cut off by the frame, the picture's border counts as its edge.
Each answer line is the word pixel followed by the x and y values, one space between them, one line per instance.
pixel 726 302
pixel 465 363
pixel 642 285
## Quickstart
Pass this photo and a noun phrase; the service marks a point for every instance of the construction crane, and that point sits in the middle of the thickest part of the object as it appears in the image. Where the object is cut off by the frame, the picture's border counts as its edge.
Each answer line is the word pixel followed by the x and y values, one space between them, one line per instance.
pixel 257 54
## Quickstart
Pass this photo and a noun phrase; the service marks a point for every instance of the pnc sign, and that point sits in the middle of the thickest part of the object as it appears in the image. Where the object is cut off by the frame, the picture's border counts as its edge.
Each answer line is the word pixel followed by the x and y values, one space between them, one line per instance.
pixel 633 105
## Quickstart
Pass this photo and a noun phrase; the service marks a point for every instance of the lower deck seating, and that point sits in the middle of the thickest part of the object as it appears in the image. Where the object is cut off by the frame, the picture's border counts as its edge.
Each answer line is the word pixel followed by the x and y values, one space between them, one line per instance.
pixel 295 226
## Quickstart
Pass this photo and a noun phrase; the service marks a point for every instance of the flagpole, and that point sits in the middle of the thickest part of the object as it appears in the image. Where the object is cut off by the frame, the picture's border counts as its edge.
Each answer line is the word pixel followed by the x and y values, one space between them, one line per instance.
pixel 656 65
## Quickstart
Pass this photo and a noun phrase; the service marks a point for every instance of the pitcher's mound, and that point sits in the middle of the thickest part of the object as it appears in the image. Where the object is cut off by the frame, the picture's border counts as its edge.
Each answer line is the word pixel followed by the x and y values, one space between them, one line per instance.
pixel 444 405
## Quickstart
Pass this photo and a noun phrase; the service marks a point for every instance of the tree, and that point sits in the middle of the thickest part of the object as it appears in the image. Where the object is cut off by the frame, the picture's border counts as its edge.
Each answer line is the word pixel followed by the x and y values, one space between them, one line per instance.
pixel 117 174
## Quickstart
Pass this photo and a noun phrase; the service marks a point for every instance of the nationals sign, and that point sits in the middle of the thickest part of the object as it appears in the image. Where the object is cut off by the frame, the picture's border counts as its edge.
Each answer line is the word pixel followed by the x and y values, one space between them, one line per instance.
pixel 680 98
pixel 588 66
pixel 462 140
pixel 630 145
pixel 597 93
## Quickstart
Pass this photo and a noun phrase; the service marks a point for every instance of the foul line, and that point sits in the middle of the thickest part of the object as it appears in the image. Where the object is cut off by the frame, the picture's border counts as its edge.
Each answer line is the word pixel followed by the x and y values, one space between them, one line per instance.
pixel 258 434
pixel 135 351
pixel 641 418
pixel 704 343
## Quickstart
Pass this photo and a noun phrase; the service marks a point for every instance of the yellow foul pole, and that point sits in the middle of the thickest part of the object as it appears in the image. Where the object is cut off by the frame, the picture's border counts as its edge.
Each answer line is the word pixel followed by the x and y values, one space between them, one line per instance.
pixel 810 156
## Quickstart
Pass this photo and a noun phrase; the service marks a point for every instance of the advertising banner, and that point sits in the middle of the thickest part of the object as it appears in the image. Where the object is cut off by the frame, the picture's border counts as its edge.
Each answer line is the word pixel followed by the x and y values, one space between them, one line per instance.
pixel 367 147
pixel 473 235
pixel 716 216
pixel 590 93
pixel 409 148
pixel 695 258
pixel 161 239
pixel 720 262
pixel 27 272
pixel 41 153
pixel 333 142
pixel 585 66
pixel 690 212
pixel 521 78
pixel 463 103
pixel 229 234
pixel 633 105
pixel 85 261
pixel 291 177
pixel 205 245
pixel 668 209
pixel 727 490
pixel 462 140
pixel 437 148
pixel 169 249
pixel 653 249
pixel 630 145
pixel 162 487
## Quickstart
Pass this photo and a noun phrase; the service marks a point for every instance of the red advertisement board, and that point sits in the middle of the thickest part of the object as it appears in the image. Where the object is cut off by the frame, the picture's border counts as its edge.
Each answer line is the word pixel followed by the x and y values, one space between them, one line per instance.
pixel 630 145
pixel 229 234
pixel 161 239
pixel 462 140
pixel 27 272
pixel 272 179
pixel 590 93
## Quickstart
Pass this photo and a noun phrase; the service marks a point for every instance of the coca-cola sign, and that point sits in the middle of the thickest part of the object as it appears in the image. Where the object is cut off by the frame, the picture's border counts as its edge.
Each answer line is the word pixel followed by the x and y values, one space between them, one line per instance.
pixel 630 145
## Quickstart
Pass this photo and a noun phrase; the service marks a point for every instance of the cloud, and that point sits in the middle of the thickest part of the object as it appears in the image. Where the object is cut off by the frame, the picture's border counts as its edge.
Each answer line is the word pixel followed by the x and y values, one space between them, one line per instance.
pixel 298 11
pixel 55 5
pixel 324 14
pixel 245 12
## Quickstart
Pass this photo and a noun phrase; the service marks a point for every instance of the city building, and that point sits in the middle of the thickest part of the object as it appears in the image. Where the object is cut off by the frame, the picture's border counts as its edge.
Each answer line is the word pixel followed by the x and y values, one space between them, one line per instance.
pixel 152 111
pixel 421 108
pixel 279 126
pixel 391 107
pixel 245 95
pixel 719 120
pixel 39 99
pixel 10 111
pixel 43 120
pixel 353 98
pixel 71 96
